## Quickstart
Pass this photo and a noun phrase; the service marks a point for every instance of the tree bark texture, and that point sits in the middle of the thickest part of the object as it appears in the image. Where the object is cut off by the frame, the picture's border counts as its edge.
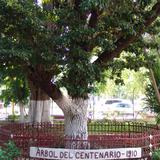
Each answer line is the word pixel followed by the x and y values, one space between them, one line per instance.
pixel 75 114
pixel 22 114
pixel 39 110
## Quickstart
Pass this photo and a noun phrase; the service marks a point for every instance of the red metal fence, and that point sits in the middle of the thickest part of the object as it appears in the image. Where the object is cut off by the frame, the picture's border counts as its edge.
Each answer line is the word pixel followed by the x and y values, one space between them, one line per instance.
pixel 101 136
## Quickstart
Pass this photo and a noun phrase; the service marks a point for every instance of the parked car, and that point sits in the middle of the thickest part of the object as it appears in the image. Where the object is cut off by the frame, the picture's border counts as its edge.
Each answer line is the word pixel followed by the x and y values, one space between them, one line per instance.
pixel 117 104
pixel 118 109
pixel 3 116
pixel 123 107
pixel 112 101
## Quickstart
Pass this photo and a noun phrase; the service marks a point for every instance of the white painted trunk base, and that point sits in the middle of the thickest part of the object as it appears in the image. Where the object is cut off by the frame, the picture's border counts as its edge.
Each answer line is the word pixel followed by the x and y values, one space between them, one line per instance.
pixel 22 114
pixel 39 111
pixel 75 114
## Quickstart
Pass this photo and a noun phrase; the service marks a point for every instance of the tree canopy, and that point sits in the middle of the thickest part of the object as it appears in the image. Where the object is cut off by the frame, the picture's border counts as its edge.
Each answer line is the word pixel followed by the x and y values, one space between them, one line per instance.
pixel 54 44
pixel 132 85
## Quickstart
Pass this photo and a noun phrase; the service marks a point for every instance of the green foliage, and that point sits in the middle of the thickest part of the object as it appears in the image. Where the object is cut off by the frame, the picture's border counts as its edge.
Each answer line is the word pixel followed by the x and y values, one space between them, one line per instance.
pixel 14 85
pixel 79 77
pixel 132 84
pixel 9 152
pixel 151 100
pixel 156 70
pixel 89 4
pixel 135 83
pixel 63 36
pixel 156 155
pixel 13 118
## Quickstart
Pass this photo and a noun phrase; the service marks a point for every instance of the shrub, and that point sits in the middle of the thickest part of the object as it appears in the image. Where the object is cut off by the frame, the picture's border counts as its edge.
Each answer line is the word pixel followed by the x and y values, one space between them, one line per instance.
pixel 156 155
pixel 13 118
pixel 9 151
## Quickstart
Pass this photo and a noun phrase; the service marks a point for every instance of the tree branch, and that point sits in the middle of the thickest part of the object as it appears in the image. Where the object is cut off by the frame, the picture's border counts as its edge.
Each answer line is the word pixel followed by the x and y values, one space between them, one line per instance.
pixel 77 3
pixel 123 43
pixel 152 77
pixel 93 19
pixel 42 79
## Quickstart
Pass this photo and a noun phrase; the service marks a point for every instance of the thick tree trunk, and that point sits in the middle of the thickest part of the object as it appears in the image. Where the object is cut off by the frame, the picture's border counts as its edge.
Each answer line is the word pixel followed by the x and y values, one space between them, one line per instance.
pixel 13 108
pixel 75 113
pixel 39 110
pixel 75 110
pixel 22 115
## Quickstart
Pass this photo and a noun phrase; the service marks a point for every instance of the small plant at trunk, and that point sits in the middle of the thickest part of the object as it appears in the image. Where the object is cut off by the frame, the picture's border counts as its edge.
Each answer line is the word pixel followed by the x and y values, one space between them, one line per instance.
pixel 9 151
pixel 156 155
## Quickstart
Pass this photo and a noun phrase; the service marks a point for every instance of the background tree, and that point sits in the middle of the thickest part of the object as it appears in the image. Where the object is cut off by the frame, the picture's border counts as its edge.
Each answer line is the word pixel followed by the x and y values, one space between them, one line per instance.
pixel 153 89
pixel 130 85
pixel 135 83
pixel 14 89
pixel 55 44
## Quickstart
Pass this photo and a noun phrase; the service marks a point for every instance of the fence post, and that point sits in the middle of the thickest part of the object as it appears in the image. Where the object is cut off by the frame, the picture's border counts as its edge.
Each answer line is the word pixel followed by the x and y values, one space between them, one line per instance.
pixel 129 129
pixel 11 136
pixel 150 146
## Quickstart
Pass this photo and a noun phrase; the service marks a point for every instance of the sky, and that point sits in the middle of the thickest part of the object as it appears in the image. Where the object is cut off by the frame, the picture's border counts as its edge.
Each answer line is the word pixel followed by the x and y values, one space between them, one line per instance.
pixel 39 1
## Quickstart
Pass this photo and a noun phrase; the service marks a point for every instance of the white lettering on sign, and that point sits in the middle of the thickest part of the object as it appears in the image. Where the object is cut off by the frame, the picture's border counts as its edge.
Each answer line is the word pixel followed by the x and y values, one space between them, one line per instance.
pixel 99 154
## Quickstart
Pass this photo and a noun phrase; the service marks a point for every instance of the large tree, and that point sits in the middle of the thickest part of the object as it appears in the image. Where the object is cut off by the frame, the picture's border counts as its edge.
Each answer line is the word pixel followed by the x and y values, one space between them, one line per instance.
pixel 55 45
